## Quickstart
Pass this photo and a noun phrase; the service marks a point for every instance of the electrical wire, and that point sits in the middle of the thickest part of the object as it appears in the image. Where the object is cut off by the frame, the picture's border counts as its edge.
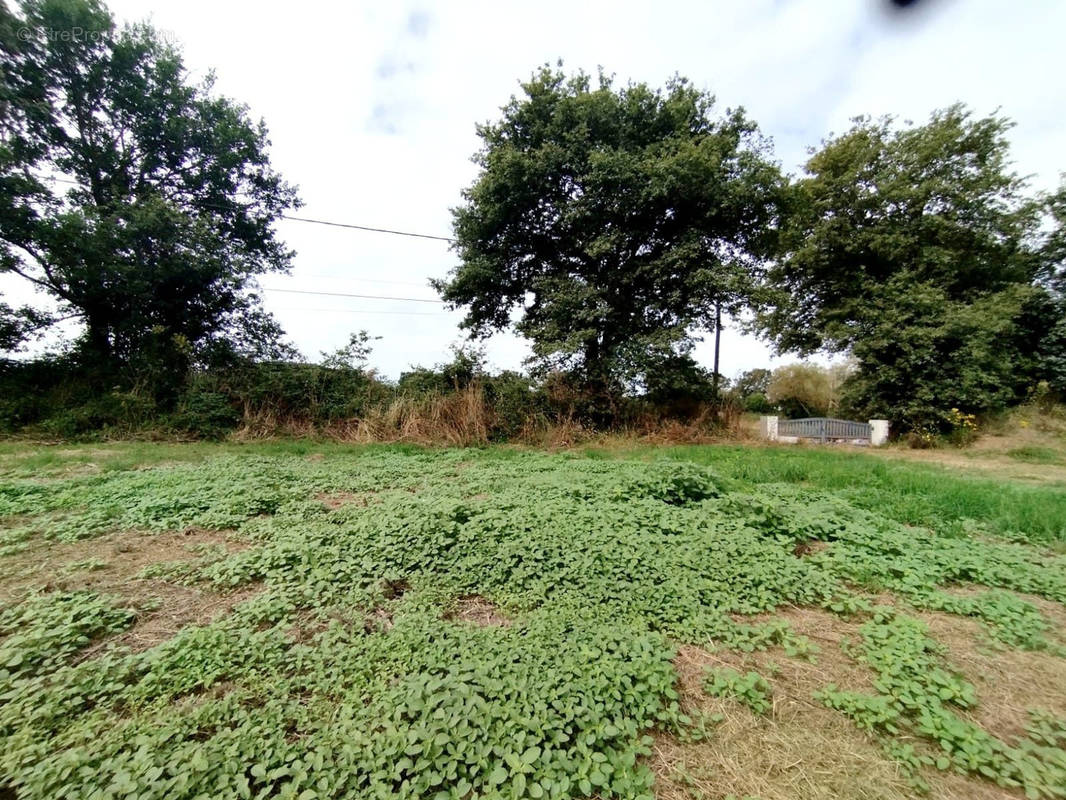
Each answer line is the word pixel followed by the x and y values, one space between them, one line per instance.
pixel 421 285
pixel 367 228
pixel 366 311
pixel 350 225
pixel 348 294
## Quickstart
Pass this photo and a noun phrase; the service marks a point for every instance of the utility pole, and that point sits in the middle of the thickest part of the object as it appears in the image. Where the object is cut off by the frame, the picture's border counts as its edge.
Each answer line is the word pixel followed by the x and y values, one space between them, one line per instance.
pixel 717 344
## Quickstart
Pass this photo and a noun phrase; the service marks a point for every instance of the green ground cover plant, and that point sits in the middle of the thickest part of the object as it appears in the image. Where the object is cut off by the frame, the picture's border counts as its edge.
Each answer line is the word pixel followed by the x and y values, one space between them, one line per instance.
pixel 917 694
pixel 750 688
pixel 349 673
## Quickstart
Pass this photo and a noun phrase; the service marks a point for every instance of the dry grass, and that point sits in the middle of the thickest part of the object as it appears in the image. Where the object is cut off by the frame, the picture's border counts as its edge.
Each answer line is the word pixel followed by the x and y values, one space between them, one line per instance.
pixel 460 419
pixel 557 436
pixel 164 608
pixel 1008 681
pixel 465 418
pixel 477 610
pixel 1001 448
pixel 800 749
pixel 987 456
pixel 112 565
pixel 335 500
pixel 104 563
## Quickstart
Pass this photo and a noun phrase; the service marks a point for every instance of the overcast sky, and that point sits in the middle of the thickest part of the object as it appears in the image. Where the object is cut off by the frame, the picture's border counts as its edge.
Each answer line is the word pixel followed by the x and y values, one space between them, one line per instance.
pixel 372 107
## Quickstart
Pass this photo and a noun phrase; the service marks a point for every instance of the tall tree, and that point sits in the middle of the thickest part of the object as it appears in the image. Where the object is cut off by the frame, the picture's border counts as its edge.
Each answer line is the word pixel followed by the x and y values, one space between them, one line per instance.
pixel 617 219
pixel 892 236
pixel 1051 349
pixel 753 381
pixel 142 202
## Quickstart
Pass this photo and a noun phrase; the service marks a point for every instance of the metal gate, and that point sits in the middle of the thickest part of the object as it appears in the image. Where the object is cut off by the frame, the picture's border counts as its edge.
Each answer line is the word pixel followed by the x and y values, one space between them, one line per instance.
pixel 824 429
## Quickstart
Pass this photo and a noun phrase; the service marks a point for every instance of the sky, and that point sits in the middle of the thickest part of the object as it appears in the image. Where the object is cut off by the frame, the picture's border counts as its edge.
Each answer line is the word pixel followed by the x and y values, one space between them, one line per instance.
pixel 372 110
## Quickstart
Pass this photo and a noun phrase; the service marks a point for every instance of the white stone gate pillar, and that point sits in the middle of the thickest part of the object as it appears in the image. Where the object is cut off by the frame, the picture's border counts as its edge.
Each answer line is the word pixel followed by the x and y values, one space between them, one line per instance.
pixel 878 432
pixel 768 427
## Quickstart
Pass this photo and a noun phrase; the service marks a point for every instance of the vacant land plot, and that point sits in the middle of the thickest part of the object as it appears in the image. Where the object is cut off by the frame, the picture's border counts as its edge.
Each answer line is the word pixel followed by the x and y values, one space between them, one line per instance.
pixel 313 621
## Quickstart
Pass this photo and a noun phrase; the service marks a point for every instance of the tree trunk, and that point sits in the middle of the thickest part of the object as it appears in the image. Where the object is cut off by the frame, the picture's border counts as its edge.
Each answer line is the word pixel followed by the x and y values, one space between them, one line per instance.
pixel 98 341
pixel 599 403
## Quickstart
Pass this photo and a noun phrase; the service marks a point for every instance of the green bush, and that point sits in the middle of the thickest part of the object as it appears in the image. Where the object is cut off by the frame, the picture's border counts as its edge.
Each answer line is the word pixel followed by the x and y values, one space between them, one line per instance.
pixel 679 387
pixel 112 413
pixel 33 390
pixel 758 404
pixel 205 414
pixel 298 391
pixel 515 401
pixel 929 355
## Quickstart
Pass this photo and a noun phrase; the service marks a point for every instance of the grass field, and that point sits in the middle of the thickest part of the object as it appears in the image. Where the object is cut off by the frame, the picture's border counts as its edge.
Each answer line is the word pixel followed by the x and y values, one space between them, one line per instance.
pixel 310 620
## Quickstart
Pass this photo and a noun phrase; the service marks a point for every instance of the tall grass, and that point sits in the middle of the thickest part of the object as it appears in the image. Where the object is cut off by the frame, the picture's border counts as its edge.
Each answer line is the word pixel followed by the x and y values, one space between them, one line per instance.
pixel 461 418
pixel 914 494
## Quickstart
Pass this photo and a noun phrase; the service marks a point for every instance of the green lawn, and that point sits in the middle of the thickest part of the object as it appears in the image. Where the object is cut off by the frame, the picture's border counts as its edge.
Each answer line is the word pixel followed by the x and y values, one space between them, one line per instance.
pixel 297 619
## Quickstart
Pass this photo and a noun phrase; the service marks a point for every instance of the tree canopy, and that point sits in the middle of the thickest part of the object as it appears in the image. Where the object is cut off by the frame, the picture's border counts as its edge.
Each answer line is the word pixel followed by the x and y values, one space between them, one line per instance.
pixel 934 203
pixel 142 202
pixel 917 249
pixel 616 220
pixel 1051 350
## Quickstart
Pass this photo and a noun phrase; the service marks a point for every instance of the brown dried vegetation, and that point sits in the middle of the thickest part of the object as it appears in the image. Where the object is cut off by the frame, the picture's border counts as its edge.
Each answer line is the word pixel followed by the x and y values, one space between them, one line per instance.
pixel 801 749
pixel 477 610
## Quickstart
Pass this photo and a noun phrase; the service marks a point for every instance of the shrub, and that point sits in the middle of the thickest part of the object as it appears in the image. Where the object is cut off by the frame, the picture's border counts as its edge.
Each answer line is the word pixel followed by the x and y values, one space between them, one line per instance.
pixel 929 355
pixel 111 413
pixel 515 403
pixel 758 404
pixel 806 390
pixel 678 387
pixel 284 391
pixel 206 414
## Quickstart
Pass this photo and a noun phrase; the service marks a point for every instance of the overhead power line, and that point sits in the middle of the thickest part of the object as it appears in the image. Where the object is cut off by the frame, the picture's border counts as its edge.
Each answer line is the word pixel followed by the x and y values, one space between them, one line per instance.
pixel 420 284
pixel 365 311
pixel 347 294
pixel 368 228
pixel 353 226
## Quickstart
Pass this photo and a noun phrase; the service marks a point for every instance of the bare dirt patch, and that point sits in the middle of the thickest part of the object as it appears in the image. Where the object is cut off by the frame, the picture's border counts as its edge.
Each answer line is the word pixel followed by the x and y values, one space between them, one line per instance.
pixel 477 610
pixel 809 548
pixel 112 565
pixel 105 563
pixel 1008 681
pixel 165 608
pixel 800 748
pixel 335 500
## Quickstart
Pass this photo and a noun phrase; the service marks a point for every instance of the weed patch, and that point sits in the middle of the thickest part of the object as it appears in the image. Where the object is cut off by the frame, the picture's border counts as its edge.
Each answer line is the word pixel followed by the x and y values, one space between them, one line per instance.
pixel 364 650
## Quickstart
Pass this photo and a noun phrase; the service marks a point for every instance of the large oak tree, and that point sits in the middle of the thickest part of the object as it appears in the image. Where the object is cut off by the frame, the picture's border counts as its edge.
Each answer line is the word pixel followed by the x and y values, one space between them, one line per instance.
pixel 615 220
pixel 916 249
pixel 141 201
